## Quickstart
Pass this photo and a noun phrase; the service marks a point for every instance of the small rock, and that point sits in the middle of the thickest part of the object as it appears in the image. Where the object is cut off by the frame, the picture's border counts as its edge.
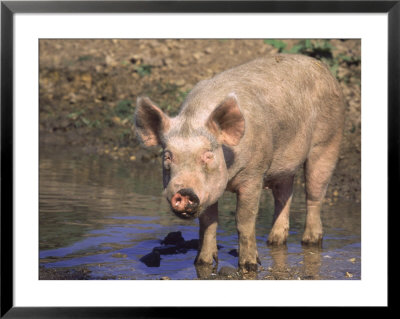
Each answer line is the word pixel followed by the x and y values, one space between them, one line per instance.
pixel 165 278
pixel 153 61
pixel 110 61
pixel 180 82
pixel 349 275
pixel 87 80
pixel 353 260
pixel 168 61
pixel 72 98
pixel 197 55
pixel 208 50
pixel 116 120
pixel 135 59
pixel 335 193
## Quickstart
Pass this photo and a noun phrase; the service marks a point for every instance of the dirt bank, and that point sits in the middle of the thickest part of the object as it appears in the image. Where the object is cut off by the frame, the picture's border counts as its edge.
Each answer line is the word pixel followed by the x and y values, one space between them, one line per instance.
pixel 88 90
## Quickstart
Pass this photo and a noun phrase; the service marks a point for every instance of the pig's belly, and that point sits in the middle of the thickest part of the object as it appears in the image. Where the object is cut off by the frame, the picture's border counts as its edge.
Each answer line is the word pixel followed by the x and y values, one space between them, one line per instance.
pixel 282 168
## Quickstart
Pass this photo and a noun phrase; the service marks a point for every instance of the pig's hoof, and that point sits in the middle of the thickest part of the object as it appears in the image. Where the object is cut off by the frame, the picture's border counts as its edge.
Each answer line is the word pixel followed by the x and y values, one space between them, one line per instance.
pixel 202 261
pixel 312 240
pixel 205 271
pixel 277 236
pixel 276 241
pixel 248 267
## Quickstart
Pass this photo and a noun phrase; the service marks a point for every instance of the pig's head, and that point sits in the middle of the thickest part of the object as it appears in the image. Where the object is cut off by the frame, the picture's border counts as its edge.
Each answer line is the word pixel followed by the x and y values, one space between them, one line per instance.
pixel 195 172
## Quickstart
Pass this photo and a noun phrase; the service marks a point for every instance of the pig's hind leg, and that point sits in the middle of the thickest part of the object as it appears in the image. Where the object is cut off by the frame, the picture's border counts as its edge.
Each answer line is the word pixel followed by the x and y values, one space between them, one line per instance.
pixel 282 191
pixel 318 170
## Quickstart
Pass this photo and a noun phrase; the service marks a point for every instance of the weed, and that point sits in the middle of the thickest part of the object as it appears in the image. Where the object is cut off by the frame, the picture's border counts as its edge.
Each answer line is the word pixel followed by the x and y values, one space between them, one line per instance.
pixel 280 45
pixel 124 137
pixel 85 58
pixel 319 49
pixel 124 108
pixel 75 115
pixel 85 121
pixel 182 95
pixel 171 97
pixel 143 69
pixel 349 59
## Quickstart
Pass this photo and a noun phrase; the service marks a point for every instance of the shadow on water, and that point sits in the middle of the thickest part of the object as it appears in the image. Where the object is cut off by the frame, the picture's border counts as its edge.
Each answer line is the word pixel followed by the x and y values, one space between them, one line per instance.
pixel 102 216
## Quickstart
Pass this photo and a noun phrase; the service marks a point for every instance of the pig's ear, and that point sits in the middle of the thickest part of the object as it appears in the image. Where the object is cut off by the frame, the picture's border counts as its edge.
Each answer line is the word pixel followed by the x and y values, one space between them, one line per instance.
pixel 226 122
pixel 151 123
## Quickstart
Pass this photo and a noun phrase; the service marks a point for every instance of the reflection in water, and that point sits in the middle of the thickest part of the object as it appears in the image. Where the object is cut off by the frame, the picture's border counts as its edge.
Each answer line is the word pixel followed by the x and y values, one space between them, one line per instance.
pixel 105 215
pixel 312 262
pixel 309 269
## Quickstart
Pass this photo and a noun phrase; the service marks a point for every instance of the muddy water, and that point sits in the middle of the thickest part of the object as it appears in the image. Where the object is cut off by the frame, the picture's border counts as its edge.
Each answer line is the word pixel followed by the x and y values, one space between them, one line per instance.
pixel 98 217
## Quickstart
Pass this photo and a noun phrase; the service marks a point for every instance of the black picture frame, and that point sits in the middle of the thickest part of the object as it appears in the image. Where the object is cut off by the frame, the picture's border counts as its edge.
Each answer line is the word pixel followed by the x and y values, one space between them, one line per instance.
pixel 9 8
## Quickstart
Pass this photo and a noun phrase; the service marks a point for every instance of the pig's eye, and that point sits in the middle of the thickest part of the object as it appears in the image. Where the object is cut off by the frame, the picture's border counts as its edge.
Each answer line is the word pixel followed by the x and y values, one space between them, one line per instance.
pixel 207 157
pixel 167 159
pixel 167 156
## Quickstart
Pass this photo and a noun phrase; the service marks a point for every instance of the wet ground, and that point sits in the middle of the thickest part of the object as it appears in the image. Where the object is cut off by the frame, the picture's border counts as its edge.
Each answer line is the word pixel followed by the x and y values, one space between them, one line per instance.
pixel 98 217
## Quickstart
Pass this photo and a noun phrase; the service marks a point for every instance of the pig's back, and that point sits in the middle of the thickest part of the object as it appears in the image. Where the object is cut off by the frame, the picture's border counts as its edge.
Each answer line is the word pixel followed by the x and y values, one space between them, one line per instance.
pixel 290 102
pixel 279 93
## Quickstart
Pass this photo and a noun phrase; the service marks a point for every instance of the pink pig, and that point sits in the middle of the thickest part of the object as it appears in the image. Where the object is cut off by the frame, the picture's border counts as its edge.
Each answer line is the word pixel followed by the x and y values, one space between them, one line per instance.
pixel 249 128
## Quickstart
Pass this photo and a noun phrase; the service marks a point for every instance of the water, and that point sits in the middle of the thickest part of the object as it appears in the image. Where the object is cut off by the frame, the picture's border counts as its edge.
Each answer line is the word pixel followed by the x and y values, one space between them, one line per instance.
pixel 103 215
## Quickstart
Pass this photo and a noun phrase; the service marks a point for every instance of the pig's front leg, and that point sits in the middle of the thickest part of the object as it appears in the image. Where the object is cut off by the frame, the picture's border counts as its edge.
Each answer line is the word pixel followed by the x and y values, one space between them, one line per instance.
pixel 248 198
pixel 208 250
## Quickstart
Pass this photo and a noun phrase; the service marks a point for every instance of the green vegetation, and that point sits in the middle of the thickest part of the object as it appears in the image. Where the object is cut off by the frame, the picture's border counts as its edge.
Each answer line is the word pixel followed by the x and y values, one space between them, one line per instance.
pixel 169 96
pixel 143 69
pixel 85 58
pixel 319 49
pixel 314 48
pixel 280 45
pixel 124 109
pixel 80 120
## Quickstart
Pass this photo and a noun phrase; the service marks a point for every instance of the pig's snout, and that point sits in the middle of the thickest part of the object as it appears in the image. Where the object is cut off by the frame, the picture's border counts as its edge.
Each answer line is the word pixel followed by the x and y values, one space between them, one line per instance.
pixel 185 203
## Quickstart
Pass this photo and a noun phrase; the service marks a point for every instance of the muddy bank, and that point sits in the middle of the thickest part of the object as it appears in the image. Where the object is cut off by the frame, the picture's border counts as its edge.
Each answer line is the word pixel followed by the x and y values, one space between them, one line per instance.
pixel 88 90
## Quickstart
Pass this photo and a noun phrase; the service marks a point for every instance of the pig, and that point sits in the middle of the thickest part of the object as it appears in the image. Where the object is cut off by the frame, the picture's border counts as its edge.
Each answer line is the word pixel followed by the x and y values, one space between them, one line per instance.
pixel 248 128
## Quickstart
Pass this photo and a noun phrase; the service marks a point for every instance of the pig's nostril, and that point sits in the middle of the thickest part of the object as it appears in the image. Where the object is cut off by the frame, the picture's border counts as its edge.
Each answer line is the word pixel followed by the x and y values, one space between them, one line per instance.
pixel 178 201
